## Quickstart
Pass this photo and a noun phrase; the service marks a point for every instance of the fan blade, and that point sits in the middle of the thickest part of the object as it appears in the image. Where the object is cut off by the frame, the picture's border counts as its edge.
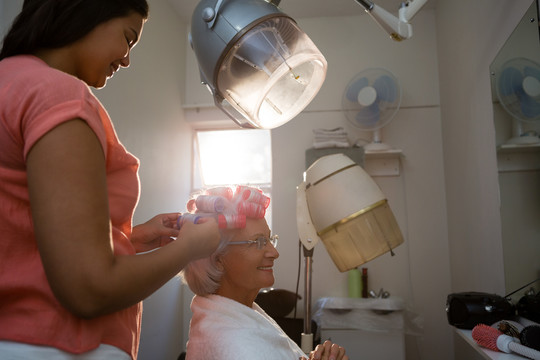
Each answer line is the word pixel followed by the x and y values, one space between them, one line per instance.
pixel 529 99
pixel 368 116
pixel 510 81
pixel 532 71
pixel 386 88
pixel 354 89
pixel 529 106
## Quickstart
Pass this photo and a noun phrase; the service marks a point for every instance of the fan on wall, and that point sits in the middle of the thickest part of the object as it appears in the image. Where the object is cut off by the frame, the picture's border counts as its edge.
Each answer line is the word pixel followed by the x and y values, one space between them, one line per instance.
pixel 518 89
pixel 370 101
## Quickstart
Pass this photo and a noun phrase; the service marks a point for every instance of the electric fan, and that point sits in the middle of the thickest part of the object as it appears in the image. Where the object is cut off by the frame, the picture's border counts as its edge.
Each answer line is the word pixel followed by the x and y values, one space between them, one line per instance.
pixel 370 101
pixel 518 89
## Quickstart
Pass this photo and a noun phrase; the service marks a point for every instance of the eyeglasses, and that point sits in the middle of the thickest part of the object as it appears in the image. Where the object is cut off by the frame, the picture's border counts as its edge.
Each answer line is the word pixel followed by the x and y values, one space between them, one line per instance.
pixel 261 241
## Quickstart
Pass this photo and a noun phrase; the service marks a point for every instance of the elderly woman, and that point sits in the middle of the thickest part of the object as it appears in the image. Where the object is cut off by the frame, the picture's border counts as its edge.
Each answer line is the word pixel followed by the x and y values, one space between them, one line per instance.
pixel 227 323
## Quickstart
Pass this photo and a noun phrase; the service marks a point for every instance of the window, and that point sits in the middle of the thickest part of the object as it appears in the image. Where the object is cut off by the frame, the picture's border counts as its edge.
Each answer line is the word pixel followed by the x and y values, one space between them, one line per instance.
pixel 237 157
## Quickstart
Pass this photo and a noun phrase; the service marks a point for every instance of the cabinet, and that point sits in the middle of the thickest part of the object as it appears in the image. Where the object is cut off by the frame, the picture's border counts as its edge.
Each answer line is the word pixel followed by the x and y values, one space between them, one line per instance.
pixel 362 344
pixel 367 328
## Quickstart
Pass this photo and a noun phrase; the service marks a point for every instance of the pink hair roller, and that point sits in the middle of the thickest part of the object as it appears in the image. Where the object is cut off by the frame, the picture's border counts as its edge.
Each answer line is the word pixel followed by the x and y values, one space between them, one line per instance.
pixel 190 206
pixel 231 221
pixel 240 190
pixel 224 221
pixel 210 203
pixel 251 209
pixel 251 194
pixel 187 217
pixel 224 191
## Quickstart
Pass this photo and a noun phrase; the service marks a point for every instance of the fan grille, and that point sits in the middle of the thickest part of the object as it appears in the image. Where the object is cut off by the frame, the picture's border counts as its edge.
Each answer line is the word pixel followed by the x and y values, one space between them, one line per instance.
pixel 518 89
pixel 371 99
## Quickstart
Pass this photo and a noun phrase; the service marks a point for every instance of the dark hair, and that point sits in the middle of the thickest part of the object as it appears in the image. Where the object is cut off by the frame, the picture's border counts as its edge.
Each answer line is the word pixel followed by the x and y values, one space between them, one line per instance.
pixel 50 24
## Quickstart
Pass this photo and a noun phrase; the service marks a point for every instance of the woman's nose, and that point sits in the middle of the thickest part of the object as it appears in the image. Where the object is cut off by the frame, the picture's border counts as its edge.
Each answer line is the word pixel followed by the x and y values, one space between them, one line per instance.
pixel 273 251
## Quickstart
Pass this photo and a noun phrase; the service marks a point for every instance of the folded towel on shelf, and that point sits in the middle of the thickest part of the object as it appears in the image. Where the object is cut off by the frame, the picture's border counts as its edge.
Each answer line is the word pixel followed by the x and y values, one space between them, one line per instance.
pixel 330 138
pixel 330 144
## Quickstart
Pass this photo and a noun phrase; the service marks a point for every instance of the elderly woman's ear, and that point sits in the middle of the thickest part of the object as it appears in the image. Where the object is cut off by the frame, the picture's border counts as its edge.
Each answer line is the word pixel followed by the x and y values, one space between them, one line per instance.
pixel 219 262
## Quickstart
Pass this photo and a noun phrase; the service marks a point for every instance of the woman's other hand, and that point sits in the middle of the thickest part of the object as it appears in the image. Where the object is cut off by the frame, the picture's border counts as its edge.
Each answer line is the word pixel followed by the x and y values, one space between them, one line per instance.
pixel 328 351
pixel 155 233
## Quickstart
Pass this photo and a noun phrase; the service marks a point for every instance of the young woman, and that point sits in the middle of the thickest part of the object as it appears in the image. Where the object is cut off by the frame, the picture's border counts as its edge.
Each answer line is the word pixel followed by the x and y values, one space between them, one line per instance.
pixel 227 324
pixel 70 280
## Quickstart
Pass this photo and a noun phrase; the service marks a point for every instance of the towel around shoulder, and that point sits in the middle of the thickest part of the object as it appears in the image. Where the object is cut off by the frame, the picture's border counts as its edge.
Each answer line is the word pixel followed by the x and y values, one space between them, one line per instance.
pixel 224 329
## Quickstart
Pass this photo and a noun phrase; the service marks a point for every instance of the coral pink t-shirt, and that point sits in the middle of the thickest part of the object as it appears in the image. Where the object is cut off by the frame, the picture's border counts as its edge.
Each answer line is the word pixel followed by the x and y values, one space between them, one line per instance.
pixel 34 98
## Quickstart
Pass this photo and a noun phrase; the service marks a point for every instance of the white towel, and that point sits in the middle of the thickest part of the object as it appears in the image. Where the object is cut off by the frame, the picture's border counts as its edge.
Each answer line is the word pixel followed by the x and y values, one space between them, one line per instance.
pixel 330 138
pixel 338 130
pixel 331 144
pixel 224 329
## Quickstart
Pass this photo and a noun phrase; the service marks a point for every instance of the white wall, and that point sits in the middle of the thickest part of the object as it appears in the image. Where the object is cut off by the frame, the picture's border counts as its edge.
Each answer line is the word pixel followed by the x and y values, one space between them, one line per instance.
pixel 468 42
pixel 8 10
pixel 469 35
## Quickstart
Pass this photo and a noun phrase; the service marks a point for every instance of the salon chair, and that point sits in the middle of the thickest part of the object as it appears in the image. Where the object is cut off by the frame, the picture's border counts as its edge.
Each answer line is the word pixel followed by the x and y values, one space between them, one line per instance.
pixel 279 303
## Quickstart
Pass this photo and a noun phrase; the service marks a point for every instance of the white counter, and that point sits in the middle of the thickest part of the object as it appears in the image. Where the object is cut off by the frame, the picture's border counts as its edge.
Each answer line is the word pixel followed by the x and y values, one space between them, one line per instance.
pixel 486 353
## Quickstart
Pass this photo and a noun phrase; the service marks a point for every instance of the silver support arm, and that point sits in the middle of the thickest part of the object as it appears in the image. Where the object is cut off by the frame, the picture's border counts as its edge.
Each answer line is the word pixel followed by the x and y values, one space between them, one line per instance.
pixel 368 5
pixel 307 335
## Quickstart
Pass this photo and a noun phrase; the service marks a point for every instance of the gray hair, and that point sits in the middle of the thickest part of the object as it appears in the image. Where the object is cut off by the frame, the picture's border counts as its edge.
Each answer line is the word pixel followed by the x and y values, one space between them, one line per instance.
pixel 203 276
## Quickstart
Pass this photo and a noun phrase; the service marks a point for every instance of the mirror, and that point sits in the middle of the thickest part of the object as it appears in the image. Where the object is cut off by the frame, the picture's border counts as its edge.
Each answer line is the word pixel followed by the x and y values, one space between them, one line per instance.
pixel 516 109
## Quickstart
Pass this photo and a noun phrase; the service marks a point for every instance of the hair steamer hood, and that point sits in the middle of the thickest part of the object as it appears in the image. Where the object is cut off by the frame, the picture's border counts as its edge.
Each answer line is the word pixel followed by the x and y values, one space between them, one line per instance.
pixel 340 204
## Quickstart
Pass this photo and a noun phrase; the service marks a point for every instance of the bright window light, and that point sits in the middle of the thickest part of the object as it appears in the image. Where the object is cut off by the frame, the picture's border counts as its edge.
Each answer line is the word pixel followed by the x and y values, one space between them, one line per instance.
pixel 234 157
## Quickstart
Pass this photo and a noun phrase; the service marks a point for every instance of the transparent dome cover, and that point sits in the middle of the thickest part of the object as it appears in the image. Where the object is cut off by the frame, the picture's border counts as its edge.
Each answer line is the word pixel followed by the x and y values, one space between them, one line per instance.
pixel 272 73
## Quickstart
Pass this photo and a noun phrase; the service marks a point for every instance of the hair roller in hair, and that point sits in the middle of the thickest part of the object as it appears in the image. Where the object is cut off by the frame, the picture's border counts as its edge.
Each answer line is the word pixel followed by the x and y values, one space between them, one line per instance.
pixel 251 209
pixel 231 221
pixel 210 203
pixel 223 191
pixel 254 195
pixel 190 206
pixel 240 190
pixel 193 218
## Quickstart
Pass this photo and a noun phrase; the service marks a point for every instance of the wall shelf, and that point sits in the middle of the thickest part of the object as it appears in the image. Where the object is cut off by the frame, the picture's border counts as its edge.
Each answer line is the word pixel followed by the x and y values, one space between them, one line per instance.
pixel 383 163
pixel 376 163
pixel 356 154
pixel 518 157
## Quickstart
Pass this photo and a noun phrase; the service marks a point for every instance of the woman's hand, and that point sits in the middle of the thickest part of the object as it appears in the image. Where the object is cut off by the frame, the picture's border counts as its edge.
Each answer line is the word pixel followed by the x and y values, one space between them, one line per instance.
pixel 328 351
pixel 155 233
pixel 201 239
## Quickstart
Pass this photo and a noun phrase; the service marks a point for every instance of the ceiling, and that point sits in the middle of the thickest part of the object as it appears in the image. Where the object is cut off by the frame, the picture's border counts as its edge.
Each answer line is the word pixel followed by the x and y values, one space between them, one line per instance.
pixel 308 8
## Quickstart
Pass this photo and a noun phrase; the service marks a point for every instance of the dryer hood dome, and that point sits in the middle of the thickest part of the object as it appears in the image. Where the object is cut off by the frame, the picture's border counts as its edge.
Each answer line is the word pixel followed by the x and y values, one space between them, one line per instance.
pixel 260 67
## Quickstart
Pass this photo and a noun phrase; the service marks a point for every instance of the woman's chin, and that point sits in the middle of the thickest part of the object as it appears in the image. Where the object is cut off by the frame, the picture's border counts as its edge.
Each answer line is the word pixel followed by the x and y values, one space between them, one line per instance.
pixel 100 84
